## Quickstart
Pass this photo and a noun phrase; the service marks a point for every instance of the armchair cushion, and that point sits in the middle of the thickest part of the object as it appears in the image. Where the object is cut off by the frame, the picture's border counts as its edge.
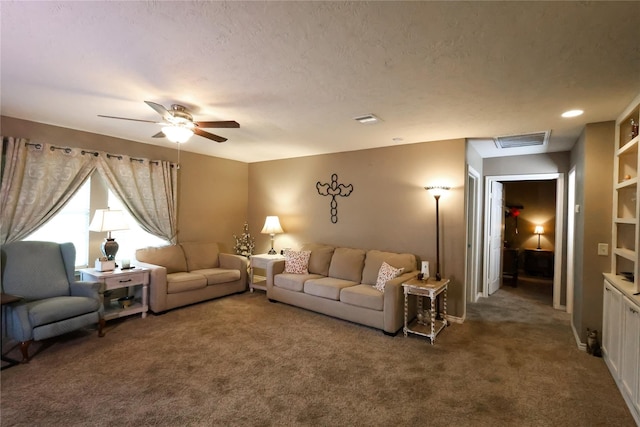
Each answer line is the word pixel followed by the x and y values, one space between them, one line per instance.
pixel 45 311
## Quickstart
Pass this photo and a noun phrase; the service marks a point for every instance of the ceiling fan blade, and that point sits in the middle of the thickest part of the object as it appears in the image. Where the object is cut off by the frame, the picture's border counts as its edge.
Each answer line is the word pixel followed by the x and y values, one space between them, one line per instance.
pixel 158 135
pixel 125 118
pixel 219 124
pixel 160 110
pixel 208 135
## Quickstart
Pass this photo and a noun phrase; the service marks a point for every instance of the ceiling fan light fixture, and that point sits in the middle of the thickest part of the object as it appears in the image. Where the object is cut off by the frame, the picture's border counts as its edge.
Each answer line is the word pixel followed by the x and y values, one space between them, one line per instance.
pixel 177 133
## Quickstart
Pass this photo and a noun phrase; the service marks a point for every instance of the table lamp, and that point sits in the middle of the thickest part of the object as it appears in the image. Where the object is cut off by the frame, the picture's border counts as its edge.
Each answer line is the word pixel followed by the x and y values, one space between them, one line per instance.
pixel 108 220
pixel 272 227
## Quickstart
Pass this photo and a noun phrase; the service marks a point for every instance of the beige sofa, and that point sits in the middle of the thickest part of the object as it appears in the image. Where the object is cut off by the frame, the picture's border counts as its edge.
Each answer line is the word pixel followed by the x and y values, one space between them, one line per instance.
pixel 187 273
pixel 341 283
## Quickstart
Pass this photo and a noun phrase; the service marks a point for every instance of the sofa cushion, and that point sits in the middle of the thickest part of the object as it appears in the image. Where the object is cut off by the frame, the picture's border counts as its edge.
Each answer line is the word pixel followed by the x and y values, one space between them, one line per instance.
pixel 327 287
pixel 215 276
pixel 169 257
pixel 386 273
pixel 375 259
pixel 292 282
pixel 347 263
pixel 183 282
pixel 296 262
pixel 200 255
pixel 320 258
pixel 363 296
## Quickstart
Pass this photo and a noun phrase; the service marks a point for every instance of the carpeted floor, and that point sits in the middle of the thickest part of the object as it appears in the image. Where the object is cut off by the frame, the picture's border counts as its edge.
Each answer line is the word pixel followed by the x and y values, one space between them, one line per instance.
pixel 241 360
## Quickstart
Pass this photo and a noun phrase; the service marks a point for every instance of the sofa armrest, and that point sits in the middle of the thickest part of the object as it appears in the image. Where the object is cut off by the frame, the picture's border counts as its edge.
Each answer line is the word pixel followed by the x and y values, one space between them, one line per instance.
pixel 394 302
pixel 235 262
pixel 273 268
pixel 157 286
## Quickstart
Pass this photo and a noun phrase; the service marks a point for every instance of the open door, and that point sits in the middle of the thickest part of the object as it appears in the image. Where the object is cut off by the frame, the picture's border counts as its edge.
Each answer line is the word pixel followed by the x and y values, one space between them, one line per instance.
pixel 496 220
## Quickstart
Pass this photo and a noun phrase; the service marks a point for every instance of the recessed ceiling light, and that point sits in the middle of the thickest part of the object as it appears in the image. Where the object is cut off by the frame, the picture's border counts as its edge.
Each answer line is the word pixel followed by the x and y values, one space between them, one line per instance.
pixel 367 119
pixel 397 139
pixel 572 113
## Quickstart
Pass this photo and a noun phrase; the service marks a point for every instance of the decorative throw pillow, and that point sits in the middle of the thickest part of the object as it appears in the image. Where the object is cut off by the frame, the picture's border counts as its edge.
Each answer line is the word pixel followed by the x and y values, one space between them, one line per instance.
pixel 386 273
pixel 296 262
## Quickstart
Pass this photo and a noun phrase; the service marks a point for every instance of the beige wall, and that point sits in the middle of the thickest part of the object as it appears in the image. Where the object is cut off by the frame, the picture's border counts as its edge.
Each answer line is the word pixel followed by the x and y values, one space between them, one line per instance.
pixel 388 209
pixel 592 157
pixel 212 192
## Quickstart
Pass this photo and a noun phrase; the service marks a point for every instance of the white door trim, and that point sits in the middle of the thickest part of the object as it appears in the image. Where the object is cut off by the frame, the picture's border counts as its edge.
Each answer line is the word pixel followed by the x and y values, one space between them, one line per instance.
pixel 560 213
pixel 472 272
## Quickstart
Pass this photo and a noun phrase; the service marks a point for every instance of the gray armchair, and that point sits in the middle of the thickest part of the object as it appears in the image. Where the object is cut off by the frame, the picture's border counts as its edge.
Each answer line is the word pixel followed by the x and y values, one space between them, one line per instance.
pixel 53 302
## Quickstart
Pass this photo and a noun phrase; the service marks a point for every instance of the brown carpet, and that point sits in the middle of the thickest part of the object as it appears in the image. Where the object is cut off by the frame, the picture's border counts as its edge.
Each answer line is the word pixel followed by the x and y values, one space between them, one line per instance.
pixel 241 360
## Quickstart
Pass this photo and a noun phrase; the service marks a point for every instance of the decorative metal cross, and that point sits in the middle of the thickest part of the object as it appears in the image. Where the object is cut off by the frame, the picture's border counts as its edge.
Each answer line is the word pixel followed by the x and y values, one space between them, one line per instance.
pixel 334 189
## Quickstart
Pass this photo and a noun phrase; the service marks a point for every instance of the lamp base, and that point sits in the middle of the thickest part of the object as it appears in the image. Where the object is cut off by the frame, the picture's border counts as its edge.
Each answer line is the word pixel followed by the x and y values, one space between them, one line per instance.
pixel 272 252
pixel 110 248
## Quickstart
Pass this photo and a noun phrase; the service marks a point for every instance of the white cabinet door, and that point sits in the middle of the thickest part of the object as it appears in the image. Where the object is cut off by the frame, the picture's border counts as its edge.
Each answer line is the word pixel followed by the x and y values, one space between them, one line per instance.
pixel 630 357
pixel 612 327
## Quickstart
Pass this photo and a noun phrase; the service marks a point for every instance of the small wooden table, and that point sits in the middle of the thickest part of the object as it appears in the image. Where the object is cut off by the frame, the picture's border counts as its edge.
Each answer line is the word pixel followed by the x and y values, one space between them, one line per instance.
pixel 428 322
pixel 8 299
pixel 117 279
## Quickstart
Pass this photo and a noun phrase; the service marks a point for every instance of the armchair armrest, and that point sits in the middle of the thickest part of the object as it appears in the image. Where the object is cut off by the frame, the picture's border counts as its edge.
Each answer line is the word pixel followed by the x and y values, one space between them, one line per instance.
pixel 85 289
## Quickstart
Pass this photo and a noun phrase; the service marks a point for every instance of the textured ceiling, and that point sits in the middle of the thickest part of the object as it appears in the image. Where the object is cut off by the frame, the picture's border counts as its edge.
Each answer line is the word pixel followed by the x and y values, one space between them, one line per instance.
pixel 295 74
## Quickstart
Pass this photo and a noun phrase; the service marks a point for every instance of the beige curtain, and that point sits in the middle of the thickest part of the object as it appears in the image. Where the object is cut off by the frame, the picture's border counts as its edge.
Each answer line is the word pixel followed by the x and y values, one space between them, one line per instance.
pixel 147 188
pixel 37 181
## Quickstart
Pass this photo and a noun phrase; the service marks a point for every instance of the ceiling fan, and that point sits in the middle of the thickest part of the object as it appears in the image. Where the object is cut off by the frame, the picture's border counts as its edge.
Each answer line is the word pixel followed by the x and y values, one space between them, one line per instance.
pixel 178 125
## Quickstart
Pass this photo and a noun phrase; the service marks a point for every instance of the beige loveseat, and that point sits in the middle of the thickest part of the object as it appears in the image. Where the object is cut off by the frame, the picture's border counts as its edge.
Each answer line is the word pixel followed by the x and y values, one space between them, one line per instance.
pixel 341 283
pixel 191 272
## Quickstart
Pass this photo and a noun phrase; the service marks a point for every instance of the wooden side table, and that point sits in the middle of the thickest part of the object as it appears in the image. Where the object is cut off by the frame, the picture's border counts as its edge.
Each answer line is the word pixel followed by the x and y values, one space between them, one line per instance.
pixel 118 279
pixel 428 322
pixel 5 300
pixel 260 261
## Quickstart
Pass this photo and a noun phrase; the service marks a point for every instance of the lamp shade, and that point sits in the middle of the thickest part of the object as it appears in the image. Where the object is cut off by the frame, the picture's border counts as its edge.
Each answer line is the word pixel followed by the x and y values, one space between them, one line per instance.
pixel 108 220
pixel 177 133
pixel 437 190
pixel 272 226
pixel 538 230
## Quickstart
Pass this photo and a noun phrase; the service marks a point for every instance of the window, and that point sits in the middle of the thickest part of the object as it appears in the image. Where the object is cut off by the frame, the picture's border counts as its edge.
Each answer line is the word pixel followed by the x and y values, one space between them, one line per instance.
pixel 71 224
pixel 133 238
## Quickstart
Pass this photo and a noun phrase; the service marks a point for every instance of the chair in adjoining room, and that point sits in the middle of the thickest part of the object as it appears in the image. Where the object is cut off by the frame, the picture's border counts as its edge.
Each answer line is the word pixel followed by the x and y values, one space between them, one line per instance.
pixel 52 302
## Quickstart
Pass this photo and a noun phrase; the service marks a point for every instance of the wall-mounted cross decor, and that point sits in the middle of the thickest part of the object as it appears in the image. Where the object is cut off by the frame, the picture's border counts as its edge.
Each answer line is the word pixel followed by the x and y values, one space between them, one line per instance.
pixel 334 189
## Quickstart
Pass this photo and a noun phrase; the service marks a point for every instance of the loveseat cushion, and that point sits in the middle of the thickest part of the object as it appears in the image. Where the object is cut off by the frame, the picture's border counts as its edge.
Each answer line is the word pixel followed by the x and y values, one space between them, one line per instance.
pixel 183 281
pixel 215 276
pixel 347 263
pixel 292 282
pixel 170 257
pixel 320 257
pixel 327 287
pixel 374 261
pixel 363 296
pixel 200 255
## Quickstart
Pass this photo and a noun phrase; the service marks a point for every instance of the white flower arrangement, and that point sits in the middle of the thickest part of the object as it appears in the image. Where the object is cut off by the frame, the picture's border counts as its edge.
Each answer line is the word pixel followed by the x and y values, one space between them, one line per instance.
pixel 245 243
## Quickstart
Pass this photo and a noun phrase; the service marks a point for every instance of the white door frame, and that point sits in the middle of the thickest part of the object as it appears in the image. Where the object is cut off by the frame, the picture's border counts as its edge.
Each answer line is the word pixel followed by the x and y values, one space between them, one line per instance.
pixel 571 221
pixel 560 213
pixel 472 273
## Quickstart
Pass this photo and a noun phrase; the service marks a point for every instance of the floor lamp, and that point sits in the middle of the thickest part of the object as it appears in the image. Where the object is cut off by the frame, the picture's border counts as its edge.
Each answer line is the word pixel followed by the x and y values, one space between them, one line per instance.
pixel 437 191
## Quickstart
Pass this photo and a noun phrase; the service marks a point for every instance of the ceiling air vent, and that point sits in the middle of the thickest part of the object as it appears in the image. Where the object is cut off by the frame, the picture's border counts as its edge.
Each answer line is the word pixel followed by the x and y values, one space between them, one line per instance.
pixel 524 140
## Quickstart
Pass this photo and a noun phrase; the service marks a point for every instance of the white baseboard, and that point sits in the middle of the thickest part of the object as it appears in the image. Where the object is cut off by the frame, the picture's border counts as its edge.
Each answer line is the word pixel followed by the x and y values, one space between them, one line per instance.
pixel 455 319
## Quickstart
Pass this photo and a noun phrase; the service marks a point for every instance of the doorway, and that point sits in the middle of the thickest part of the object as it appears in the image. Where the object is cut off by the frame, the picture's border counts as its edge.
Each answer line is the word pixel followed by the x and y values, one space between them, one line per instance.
pixel 557 262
